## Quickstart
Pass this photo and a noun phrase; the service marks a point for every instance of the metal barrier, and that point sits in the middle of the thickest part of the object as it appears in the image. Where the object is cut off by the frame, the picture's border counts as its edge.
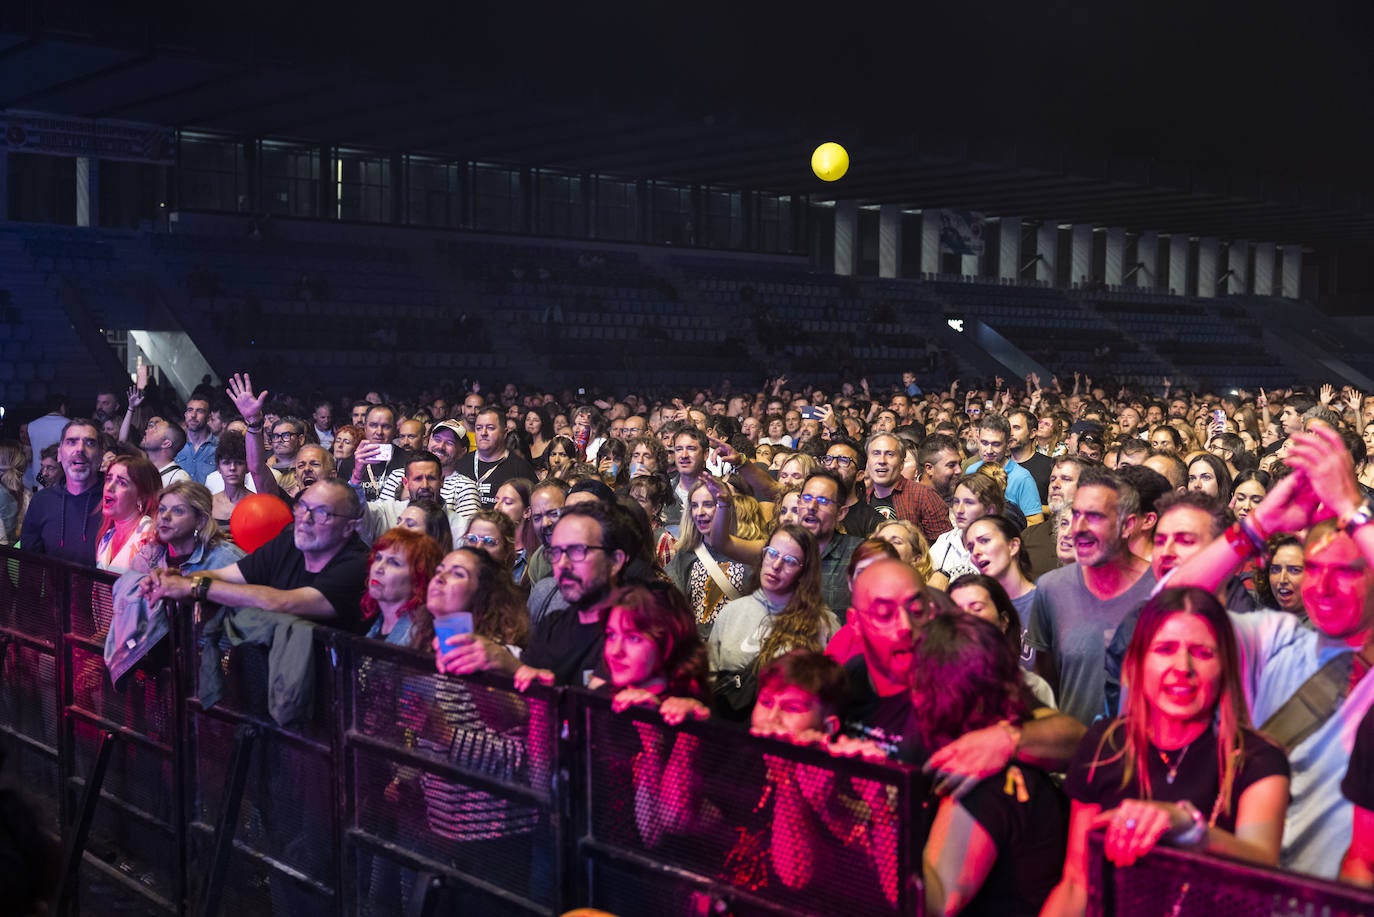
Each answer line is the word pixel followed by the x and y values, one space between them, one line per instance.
pixel 403 792
pixel 707 819
pixel 1180 883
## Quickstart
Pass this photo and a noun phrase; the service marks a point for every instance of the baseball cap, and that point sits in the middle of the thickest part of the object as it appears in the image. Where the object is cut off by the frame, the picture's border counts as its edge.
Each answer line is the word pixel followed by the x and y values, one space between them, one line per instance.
pixel 454 427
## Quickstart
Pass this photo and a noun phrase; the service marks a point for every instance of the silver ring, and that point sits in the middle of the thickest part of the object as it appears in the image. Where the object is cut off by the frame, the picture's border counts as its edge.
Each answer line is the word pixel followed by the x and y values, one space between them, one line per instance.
pixel 1130 824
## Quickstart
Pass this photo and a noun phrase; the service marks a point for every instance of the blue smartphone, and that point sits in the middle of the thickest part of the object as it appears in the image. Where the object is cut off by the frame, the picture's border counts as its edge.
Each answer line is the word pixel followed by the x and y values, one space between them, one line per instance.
pixel 450 626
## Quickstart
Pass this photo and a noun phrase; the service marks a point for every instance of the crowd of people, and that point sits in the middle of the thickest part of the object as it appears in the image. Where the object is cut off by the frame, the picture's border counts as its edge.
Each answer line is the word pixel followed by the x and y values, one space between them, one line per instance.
pixel 1145 611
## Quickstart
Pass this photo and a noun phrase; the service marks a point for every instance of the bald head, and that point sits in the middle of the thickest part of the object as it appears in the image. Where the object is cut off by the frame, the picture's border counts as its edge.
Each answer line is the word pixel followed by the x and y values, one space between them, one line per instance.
pixel 887 602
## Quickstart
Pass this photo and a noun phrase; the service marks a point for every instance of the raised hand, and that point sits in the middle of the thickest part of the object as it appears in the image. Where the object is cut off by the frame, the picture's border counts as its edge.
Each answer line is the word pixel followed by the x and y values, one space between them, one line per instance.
pixel 240 392
pixel 1320 455
pixel 1325 394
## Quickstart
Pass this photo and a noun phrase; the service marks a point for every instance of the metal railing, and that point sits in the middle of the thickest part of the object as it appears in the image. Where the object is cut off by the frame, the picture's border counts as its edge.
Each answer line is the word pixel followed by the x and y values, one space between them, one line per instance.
pixel 399 791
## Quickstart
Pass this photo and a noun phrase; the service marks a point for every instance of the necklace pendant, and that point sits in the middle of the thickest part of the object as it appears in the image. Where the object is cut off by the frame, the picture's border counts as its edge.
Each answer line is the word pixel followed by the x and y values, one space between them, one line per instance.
pixel 1170 777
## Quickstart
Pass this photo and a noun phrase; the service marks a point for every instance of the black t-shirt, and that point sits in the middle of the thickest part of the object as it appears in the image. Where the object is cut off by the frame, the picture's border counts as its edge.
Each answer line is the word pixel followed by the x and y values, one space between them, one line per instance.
pixel 280 565
pixel 861 520
pixel 1197 780
pixel 1027 818
pixel 491 475
pixel 1358 785
pixel 888 721
pixel 1040 467
pixel 565 646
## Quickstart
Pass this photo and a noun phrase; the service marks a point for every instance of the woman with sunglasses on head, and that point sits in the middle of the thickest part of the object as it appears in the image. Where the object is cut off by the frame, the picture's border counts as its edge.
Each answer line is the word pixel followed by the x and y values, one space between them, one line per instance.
pixel 1182 765
pixel 784 612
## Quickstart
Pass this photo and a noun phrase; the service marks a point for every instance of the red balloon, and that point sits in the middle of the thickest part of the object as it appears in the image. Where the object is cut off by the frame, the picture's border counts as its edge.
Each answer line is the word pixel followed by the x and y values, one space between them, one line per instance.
pixel 257 519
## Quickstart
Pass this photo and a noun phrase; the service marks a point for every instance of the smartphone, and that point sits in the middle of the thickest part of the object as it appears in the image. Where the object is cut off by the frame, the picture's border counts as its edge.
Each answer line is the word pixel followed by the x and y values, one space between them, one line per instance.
pixel 451 626
pixel 1219 417
pixel 582 391
pixel 810 413
pixel 384 452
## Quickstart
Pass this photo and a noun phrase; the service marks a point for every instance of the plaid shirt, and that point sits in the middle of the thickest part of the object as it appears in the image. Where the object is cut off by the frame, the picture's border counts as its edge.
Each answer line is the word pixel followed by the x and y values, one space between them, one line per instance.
pixel 919 503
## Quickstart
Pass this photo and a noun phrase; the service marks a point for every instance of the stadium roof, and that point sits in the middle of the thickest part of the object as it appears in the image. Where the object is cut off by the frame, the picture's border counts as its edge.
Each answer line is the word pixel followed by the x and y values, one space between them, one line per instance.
pixel 1241 123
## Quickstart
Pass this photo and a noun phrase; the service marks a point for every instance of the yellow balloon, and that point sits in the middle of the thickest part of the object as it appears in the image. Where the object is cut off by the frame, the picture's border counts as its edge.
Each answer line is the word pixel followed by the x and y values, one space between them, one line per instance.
pixel 830 162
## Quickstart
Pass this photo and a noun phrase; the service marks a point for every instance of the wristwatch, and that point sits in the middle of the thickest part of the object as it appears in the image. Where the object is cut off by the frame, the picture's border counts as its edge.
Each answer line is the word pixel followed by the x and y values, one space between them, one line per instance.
pixel 1361 515
pixel 201 588
pixel 1196 832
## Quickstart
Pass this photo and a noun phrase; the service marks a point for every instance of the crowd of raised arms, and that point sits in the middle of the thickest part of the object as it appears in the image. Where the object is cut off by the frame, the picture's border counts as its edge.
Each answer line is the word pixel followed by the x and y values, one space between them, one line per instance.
pixel 1076 606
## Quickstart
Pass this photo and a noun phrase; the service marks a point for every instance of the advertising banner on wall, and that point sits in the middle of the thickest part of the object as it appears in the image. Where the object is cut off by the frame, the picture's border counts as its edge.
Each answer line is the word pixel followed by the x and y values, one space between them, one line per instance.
pixel 961 232
pixel 62 135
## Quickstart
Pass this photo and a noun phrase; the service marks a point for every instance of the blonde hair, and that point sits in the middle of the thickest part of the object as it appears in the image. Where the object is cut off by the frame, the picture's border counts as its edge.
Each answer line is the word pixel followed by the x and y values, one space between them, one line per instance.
pixel 920 546
pixel 749 521
pixel 198 495
pixel 12 453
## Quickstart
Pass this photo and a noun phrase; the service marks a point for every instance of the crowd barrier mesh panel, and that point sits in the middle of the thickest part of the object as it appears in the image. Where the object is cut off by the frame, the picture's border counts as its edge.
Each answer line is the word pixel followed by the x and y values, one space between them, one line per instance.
pixel 134 831
pixel 28 707
pixel 814 834
pixel 284 858
pixel 458 772
pixel 1174 883
pixel 31 611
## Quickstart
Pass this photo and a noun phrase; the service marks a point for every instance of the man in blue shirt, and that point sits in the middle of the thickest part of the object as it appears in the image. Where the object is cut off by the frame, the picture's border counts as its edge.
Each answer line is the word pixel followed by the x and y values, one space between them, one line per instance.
pixel 994 437
pixel 197 457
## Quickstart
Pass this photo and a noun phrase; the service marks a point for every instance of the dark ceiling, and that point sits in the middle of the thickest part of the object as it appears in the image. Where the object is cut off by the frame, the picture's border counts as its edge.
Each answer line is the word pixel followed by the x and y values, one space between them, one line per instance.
pixel 1243 121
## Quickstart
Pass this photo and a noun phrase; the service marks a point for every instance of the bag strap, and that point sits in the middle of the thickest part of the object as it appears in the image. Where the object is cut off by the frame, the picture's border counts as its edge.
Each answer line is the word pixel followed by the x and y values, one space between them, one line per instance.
pixel 1315 701
pixel 716 573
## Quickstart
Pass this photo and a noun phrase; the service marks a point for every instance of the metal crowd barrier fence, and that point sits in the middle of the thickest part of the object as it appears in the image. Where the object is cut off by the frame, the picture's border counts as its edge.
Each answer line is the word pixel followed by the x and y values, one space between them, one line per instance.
pixel 399 791
pixel 1179 883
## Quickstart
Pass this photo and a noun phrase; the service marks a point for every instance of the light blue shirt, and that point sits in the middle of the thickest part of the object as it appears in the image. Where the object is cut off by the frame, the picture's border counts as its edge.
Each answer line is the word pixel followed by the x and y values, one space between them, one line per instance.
pixel 1278 654
pixel 1021 488
pixel 198 462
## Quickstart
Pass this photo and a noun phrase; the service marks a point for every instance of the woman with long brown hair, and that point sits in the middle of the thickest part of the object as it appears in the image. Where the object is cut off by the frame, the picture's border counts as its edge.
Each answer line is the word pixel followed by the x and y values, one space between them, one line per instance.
pixel 785 612
pixel 1182 763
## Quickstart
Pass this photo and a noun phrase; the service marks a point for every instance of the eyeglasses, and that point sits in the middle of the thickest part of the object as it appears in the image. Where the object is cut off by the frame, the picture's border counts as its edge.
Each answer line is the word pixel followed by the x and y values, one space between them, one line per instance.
pixel 816 499
pixel 485 541
pixel 574 552
pixel 843 461
pixel 276 437
pixel 318 515
pixel 788 560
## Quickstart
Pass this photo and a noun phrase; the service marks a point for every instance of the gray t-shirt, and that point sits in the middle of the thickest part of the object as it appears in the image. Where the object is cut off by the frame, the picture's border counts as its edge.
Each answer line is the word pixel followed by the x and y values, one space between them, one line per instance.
pixel 742 626
pixel 1074 627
